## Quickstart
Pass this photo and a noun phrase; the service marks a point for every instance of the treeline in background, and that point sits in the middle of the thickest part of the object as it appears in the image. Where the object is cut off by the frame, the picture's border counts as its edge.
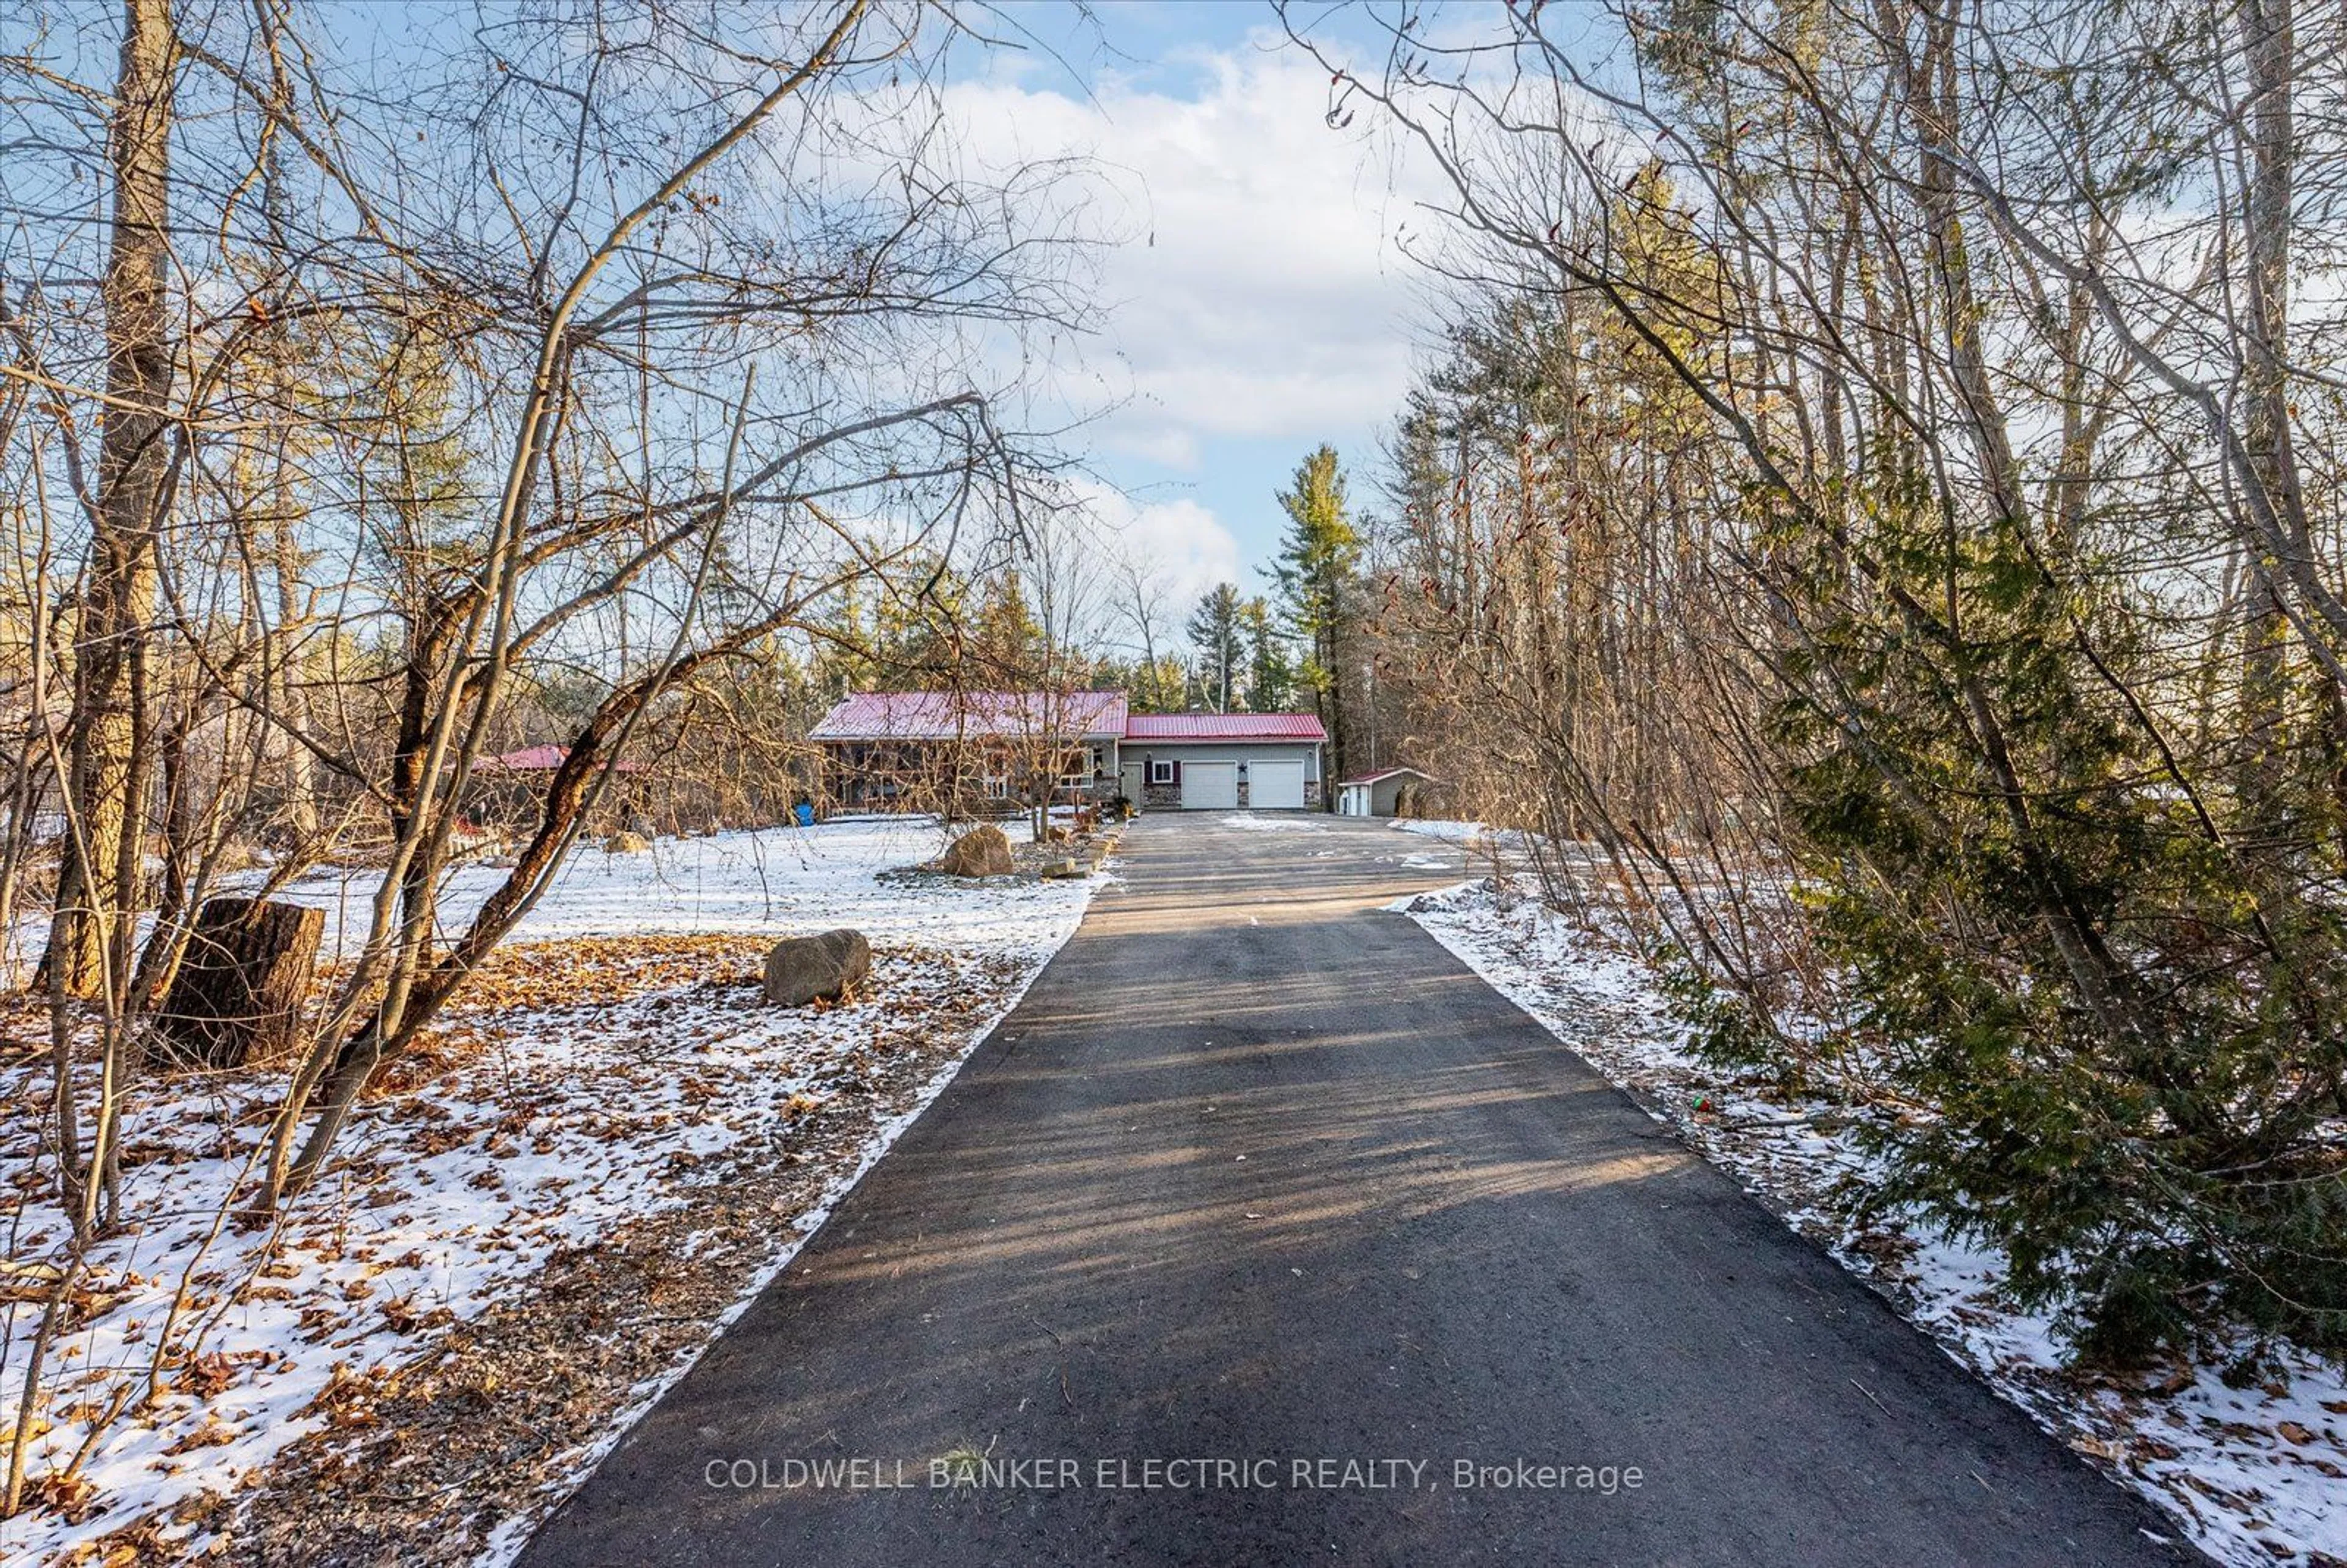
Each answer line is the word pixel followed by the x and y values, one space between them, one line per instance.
pixel 1876 506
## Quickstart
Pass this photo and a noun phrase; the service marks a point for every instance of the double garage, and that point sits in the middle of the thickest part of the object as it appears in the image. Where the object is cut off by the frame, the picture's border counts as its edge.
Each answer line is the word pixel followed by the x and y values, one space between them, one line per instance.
pixel 1221 762
pixel 1273 783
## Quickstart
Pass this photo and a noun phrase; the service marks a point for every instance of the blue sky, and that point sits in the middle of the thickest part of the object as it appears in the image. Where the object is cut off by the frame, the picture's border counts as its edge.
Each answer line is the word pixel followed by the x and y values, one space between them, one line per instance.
pixel 1255 302
pixel 1258 305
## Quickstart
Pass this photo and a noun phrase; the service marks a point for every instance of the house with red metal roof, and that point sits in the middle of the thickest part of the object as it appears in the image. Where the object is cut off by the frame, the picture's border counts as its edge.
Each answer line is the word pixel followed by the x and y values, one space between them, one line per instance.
pixel 950 749
pixel 540 760
pixel 508 792
pixel 1225 762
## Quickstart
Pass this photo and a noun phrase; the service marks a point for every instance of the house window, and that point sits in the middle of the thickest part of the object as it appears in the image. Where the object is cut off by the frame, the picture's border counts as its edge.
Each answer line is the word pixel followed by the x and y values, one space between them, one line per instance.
pixel 1161 773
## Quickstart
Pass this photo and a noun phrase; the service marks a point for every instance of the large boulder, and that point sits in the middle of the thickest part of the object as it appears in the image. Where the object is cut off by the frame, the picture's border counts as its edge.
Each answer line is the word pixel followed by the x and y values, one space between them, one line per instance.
pixel 981 852
pixel 800 969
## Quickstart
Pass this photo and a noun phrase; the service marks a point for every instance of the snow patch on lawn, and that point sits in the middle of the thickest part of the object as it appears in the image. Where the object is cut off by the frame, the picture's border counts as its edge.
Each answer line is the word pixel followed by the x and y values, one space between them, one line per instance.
pixel 1432 827
pixel 1473 837
pixel 2256 1475
pixel 555 1126
pixel 506 1543
pixel 780 881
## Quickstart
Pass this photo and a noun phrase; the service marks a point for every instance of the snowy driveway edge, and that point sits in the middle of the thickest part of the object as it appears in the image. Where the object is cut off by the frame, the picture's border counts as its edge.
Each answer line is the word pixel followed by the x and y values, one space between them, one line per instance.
pixel 2256 1475
pixel 506 1543
pixel 610 1085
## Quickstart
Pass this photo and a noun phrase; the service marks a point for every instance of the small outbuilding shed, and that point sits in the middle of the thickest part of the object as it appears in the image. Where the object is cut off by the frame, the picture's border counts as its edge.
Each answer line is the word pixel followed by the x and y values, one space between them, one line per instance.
pixel 1390 792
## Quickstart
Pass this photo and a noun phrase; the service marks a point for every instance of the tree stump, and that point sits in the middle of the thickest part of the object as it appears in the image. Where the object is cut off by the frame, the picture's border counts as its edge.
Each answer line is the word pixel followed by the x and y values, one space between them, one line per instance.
pixel 237 998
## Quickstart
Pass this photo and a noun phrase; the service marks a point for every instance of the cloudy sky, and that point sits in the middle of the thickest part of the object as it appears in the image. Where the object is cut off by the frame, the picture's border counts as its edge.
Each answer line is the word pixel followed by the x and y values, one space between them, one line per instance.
pixel 1257 302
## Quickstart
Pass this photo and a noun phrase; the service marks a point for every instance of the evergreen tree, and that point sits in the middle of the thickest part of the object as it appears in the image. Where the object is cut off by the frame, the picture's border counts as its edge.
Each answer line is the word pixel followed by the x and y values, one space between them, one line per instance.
pixel 1217 633
pixel 1314 572
pixel 1271 677
pixel 1157 684
pixel 843 643
pixel 915 639
pixel 1005 646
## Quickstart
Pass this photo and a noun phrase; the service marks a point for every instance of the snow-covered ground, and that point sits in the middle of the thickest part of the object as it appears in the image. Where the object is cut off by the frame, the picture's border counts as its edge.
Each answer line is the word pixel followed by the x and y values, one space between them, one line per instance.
pixel 769 883
pixel 619 1045
pixel 2256 1474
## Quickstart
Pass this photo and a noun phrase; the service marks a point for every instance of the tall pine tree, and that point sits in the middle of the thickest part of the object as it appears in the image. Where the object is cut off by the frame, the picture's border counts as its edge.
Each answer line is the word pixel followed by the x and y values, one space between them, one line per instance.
pixel 1006 645
pixel 1271 677
pixel 1315 573
pixel 1215 632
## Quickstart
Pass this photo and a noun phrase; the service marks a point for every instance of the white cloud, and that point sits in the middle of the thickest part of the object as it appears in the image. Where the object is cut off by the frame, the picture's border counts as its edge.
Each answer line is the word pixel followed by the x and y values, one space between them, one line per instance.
pixel 1183 543
pixel 1253 289
pixel 1163 445
pixel 1187 543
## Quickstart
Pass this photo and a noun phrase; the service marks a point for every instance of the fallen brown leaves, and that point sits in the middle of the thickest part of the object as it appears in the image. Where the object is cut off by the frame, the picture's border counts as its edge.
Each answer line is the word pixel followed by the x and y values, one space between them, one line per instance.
pixel 415 1464
pixel 207 1376
pixel 596 972
pixel 575 973
pixel 71 1495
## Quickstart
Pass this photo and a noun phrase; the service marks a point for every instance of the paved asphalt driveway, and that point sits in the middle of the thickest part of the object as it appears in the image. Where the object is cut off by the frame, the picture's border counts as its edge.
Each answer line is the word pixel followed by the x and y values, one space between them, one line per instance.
pixel 1258 1172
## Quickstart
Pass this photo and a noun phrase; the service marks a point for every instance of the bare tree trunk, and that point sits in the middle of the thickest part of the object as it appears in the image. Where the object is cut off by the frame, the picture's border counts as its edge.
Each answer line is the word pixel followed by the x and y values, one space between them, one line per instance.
pixel 571 795
pixel 299 769
pixel 2266 230
pixel 1332 701
pixel 98 882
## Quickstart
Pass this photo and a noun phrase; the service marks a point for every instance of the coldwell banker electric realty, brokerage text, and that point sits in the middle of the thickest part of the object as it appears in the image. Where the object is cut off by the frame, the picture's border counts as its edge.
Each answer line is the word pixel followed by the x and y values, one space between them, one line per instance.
pixel 1129 1473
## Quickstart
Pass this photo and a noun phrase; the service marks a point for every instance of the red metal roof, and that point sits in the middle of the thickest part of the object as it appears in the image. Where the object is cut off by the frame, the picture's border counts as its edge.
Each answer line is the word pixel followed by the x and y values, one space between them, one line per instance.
pixel 1028 716
pixel 973 715
pixel 1223 727
pixel 537 760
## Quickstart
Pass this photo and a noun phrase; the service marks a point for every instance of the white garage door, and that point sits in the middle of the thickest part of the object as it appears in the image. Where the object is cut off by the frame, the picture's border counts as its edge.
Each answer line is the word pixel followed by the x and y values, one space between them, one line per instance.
pixel 1275 785
pixel 1210 786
